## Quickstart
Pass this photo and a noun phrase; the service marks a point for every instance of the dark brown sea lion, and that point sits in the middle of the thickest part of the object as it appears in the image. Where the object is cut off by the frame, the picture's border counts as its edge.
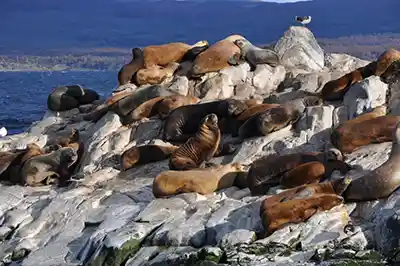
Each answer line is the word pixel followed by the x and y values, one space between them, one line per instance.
pixel 68 97
pixel 202 181
pixel 351 135
pixel 144 154
pixel 276 118
pixel 6 159
pixel 127 72
pixel 155 74
pixel 312 172
pixel 385 60
pixel 164 54
pixel 382 181
pixel 184 121
pixel 295 211
pixel 123 103
pixel 216 57
pixel 335 90
pixel 267 171
pixel 198 149
pixel 50 168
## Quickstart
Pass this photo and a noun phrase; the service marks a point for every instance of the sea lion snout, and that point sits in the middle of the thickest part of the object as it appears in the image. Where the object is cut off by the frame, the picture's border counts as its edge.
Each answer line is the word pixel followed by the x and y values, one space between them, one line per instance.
pixel 211 119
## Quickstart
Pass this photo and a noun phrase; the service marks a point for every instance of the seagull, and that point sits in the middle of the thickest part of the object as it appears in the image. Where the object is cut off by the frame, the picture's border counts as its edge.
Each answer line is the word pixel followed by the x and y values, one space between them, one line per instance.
pixel 3 132
pixel 303 20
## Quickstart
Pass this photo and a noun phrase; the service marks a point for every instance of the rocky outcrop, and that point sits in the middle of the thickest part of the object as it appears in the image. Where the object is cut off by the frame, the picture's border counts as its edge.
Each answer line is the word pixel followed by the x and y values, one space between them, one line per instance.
pixel 110 217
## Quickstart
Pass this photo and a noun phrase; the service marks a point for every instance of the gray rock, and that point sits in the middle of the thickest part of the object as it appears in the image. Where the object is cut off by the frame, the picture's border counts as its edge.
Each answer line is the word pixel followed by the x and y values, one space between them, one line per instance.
pixel 343 63
pixel 266 79
pixel 365 95
pixel 179 85
pixel 298 48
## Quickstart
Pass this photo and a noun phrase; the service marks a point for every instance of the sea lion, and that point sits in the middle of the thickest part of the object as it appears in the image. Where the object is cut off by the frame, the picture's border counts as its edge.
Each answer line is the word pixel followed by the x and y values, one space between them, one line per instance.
pixel 139 155
pixel 184 121
pixel 123 103
pixel 216 57
pixel 351 135
pixel 198 149
pixel 335 90
pixel 68 97
pixel 49 168
pixel 253 54
pixel 382 181
pixel 202 181
pixel 238 121
pixel 295 211
pixel 160 106
pixel 385 60
pixel 276 118
pixel 127 72
pixel 267 171
pixel 164 54
pixel 312 172
pixel 155 74
pixel 6 159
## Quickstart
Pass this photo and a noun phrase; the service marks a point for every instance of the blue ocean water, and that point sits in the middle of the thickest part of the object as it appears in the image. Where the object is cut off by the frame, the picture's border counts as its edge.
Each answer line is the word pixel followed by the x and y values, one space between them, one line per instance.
pixel 42 27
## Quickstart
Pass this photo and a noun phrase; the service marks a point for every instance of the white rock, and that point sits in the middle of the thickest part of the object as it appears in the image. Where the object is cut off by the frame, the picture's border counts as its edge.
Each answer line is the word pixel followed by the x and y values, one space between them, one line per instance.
pixel 365 95
pixel 266 79
pixel 343 63
pixel 179 85
pixel 298 48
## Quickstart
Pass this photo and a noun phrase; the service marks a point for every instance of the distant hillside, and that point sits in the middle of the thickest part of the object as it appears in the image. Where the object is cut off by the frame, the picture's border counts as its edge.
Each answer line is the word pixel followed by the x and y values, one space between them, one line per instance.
pixel 367 47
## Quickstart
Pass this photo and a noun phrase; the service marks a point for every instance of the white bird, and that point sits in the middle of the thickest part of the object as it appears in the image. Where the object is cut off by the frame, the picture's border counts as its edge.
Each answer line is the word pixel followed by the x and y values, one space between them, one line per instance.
pixel 303 20
pixel 3 132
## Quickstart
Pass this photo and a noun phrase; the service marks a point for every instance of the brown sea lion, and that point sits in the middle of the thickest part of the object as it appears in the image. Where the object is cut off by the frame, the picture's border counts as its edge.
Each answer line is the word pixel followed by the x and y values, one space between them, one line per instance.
pixel 238 121
pixel 202 181
pixel 276 118
pixel 49 168
pixel 351 135
pixel 71 96
pixel 337 186
pixel 385 60
pixel 6 159
pixel 312 172
pixel 155 74
pixel 335 90
pixel 164 54
pixel 382 181
pixel 183 122
pixel 267 171
pixel 216 57
pixel 123 103
pixel 161 106
pixel 392 73
pixel 198 149
pixel 139 155
pixel 127 72
pixel 295 211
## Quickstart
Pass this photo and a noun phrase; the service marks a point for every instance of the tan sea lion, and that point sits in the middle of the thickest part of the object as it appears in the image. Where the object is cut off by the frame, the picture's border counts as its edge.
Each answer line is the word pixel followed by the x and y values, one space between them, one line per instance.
pixel 139 155
pixel 385 60
pixel 253 54
pixel 216 57
pixel 267 171
pixel 49 168
pixel 124 103
pixel 312 172
pixel 164 54
pixel 155 74
pixel 183 122
pixel 198 149
pixel 71 96
pixel 295 211
pixel 351 135
pixel 382 181
pixel 127 72
pixel 202 181
pixel 276 118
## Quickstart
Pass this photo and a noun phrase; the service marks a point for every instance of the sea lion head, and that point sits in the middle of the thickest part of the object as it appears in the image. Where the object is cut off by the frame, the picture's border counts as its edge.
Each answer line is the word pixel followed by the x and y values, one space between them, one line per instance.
pixel 235 107
pixel 312 101
pixel 333 154
pixel 241 43
pixel 340 185
pixel 210 121
pixel 69 156
pixel 129 158
pixel 137 52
